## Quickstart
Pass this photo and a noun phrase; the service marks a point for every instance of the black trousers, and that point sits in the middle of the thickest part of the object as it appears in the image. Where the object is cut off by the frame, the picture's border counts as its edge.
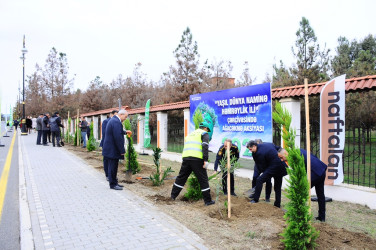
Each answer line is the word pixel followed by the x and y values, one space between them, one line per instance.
pixel 49 135
pixel 224 183
pixel 45 136
pixel 267 175
pixel 268 189
pixel 186 169
pixel 55 134
pixel 112 171
pixel 39 137
pixel 319 187
pixel 105 165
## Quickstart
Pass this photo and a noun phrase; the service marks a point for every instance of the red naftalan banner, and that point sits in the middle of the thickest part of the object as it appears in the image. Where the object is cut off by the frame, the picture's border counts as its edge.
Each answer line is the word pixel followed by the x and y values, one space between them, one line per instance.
pixel 332 128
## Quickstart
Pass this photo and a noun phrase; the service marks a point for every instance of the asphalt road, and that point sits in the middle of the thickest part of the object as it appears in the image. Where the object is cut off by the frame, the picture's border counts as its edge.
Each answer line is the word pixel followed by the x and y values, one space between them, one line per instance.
pixel 9 221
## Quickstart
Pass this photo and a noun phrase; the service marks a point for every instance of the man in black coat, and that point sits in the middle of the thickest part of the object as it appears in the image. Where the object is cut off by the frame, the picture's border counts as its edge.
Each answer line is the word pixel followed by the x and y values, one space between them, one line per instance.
pixel 104 125
pixel 256 174
pixel 45 128
pixel 39 129
pixel 318 174
pixel 266 157
pixel 113 146
pixel 55 124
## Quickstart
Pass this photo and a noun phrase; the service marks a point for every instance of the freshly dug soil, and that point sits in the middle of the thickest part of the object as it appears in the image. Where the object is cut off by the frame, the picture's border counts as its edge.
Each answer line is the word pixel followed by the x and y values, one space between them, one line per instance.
pixel 251 226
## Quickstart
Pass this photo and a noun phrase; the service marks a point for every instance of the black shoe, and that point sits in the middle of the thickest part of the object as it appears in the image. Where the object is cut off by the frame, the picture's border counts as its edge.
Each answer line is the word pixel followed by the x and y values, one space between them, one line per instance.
pixel 119 185
pixel 53 145
pixel 318 218
pixel 233 194
pixel 83 146
pixel 173 198
pixel 117 188
pixel 39 143
pixel 253 201
pixel 58 146
pixel 209 203
pixel 45 144
pixel 225 193
pixel 251 196
pixel 267 200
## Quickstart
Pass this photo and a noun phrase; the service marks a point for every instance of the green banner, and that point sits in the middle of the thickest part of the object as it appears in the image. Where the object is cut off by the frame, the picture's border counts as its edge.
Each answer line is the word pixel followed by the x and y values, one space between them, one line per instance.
pixel 146 129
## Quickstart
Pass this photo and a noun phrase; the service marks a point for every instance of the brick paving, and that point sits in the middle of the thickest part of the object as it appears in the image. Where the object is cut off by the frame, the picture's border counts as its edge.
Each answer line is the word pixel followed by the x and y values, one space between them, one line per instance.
pixel 72 207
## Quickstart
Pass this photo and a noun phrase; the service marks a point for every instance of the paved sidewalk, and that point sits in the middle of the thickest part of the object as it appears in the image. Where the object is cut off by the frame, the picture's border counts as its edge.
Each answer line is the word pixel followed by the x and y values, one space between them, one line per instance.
pixel 72 207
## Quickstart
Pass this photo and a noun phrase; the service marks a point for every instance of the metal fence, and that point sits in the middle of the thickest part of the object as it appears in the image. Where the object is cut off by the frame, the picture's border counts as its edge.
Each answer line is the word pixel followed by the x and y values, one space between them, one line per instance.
pixel 359 157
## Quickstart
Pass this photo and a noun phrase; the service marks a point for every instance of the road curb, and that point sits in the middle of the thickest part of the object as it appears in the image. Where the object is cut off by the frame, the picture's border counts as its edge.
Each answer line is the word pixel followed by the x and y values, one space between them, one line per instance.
pixel 26 233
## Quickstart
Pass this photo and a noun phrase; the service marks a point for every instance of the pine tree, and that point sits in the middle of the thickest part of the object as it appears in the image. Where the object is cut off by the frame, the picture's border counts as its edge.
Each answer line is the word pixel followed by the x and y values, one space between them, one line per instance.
pixel 91 145
pixel 131 162
pixel 299 233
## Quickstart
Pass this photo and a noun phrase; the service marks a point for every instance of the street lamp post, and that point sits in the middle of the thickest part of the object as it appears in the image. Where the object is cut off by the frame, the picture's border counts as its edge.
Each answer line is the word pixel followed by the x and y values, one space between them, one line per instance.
pixel 24 51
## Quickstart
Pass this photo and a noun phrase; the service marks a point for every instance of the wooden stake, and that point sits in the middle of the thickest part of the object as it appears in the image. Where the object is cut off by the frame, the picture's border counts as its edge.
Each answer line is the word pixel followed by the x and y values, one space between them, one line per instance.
pixel 78 135
pixel 68 129
pixel 308 135
pixel 228 180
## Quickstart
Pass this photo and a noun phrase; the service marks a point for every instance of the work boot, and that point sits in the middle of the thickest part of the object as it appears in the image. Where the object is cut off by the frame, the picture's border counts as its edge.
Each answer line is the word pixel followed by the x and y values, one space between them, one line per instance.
pixel 209 203
pixel 320 219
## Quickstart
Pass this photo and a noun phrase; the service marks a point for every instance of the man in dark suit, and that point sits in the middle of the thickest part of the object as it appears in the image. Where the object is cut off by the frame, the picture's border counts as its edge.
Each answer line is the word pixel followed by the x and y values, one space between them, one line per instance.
pixel 318 174
pixel 113 146
pixel 104 125
pixel 39 129
pixel 266 157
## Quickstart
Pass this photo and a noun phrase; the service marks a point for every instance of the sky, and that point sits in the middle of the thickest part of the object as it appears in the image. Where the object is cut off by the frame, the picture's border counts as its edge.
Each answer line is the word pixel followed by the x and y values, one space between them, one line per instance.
pixel 107 38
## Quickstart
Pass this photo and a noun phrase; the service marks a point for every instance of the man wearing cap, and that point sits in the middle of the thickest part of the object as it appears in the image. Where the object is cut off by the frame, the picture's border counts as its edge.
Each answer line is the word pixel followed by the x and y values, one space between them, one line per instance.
pixel 318 174
pixel 104 125
pixel 266 157
pixel 234 153
pixel 195 157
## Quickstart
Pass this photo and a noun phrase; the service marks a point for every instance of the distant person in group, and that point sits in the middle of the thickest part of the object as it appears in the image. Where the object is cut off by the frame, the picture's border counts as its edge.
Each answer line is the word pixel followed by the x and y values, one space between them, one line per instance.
pixel 266 157
pixel 34 123
pixel 83 126
pixel 15 123
pixel 195 157
pixel 234 153
pixel 318 174
pixel 39 127
pixel 45 128
pixel 88 130
pixel 104 125
pixel 55 124
pixel 29 124
pixel 256 174
pixel 113 147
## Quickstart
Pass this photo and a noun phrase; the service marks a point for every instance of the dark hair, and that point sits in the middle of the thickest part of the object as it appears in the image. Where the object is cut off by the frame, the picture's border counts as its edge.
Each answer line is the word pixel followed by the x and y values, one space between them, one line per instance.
pixel 114 111
pixel 56 113
pixel 251 144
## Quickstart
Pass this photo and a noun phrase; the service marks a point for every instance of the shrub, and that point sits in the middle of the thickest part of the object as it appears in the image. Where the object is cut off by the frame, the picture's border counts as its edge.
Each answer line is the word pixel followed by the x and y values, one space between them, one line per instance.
pixel 92 144
pixel 156 178
pixel 194 188
pixel 299 233
pixel 131 162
